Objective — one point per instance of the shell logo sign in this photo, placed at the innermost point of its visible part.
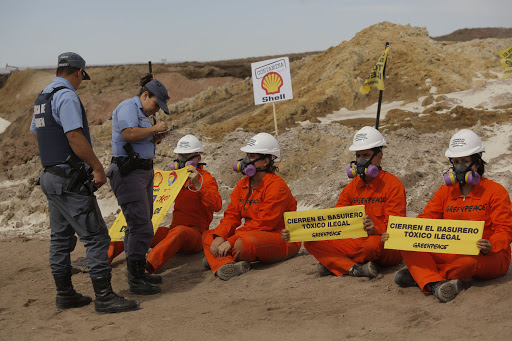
(157, 179)
(272, 83)
(271, 80)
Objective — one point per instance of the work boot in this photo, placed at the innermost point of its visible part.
(107, 301)
(67, 297)
(364, 270)
(205, 264)
(138, 284)
(153, 279)
(445, 291)
(404, 278)
(231, 270)
(323, 271)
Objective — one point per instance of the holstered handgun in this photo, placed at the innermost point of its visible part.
(130, 162)
(79, 175)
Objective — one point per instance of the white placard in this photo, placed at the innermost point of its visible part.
(271, 80)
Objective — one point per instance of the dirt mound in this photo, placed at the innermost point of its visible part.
(331, 80)
(467, 34)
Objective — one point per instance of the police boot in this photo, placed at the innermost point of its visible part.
(138, 283)
(67, 297)
(153, 279)
(107, 301)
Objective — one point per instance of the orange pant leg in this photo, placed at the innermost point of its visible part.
(114, 250)
(178, 239)
(479, 266)
(332, 253)
(424, 268)
(214, 262)
(341, 254)
(266, 247)
(160, 235)
(432, 267)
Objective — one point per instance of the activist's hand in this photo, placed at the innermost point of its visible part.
(194, 177)
(224, 249)
(484, 245)
(285, 234)
(384, 237)
(214, 248)
(369, 227)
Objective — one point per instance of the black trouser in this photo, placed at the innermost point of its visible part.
(134, 193)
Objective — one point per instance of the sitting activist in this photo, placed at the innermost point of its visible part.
(439, 273)
(260, 199)
(382, 194)
(193, 210)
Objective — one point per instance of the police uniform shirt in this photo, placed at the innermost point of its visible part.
(129, 114)
(64, 101)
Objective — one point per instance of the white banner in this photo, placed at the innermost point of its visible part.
(271, 80)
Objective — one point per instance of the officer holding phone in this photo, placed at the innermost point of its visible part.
(134, 137)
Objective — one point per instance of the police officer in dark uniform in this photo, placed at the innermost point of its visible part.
(71, 172)
(134, 136)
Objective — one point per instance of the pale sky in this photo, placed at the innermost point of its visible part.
(35, 32)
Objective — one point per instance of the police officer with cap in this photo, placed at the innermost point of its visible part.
(71, 172)
(134, 136)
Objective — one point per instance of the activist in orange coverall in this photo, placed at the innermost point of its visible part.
(260, 199)
(467, 195)
(382, 194)
(193, 210)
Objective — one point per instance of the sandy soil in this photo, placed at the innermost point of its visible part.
(286, 301)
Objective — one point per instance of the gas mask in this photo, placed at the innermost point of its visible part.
(362, 168)
(246, 166)
(182, 162)
(462, 175)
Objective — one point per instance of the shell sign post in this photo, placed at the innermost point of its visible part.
(272, 82)
(166, 186)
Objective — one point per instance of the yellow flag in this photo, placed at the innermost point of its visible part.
(506, 61)
(376, 77)
(166, 186)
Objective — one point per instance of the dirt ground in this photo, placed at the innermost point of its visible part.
(285, 301)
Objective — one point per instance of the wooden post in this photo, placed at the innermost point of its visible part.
(275, 117)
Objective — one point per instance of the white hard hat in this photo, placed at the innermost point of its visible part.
(189, 144)
(367, 138)
(464, 143)
(262, 143)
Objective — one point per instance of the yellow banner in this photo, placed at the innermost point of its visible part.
(166, 186)
(325, 224)
(506, 53)
(376, 77)
(434, 235)
(506, 61)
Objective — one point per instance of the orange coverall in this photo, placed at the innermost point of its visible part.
(488, 201)
(192, 215)
(382, 197)
(262, 212)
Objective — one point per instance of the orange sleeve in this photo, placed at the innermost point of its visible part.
(209, 193)
(232, 215)
(435, 206)
(396, 205)
(276, 201)
(345, 197)
(501, 217)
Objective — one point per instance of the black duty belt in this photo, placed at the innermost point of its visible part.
(59, 171)
(146, 164)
